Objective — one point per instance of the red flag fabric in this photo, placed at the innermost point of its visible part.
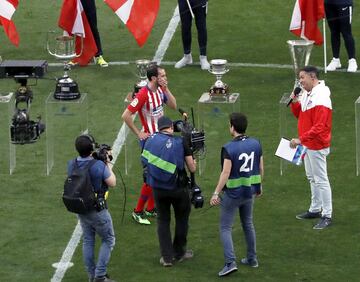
(138, 16)
(305, 17)
(7, 9)
(74, 21)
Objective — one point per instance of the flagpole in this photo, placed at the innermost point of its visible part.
(324, 32)
(191, 11)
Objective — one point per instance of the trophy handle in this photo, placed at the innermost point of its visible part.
(48, 44)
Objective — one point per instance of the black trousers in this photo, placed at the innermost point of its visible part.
(90, 12)
(180, 201)
(199, 9)
(339, 21)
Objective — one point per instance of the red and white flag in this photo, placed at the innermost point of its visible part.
(305, 17)
(74, 21)
(138, 15)
(7, 9)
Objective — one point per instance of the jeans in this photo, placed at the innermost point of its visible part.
(228, 208)
(97, 223)
(316, 172)
(180, 201)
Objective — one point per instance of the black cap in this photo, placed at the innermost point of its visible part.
(164, 122)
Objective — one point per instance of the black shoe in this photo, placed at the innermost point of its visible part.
(309, 215)
(250, 262)
(323, 223)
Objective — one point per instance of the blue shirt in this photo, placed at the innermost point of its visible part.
(98, 172)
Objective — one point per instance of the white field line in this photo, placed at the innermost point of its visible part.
(235, 64)
(66, 257)
(158, 59)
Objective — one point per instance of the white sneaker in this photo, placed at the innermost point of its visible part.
(334, 64)
(186, 60)
(352, 67)
(204, 63)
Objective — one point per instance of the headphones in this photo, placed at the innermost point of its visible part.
(92, 141)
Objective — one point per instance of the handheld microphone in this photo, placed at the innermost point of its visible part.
(297, 90)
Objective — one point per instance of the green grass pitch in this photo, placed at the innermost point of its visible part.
(35, 227)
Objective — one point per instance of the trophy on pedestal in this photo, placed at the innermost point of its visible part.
(64, 49)
(219, 90)
(300, 51)
(141, 66)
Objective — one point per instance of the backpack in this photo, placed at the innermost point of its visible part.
(79, 196)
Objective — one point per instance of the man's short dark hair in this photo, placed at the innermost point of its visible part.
(311, 70)
(239, 122)
(84, 146)
(153, 70)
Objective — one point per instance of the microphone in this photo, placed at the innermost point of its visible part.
(297, 90)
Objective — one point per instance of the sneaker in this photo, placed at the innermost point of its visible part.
(151, 213)
(189, 254)
(352, 67)
(250, 262)
(204, 63)
(164, 263)
(101, 62)
(140, 218)
(309, 215)
(72, 63)
(105, 278)
(334, 64)
(228, 268)
(186, 60)
(323, 223)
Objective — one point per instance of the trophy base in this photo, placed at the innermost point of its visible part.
(66, 89)
(219, 93)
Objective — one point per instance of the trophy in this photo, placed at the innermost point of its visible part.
(219, 89)
(300, 51)
(141, 66)
(64, 49)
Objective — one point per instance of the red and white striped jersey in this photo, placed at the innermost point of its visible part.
(150, 107)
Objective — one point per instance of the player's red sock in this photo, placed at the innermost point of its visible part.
(151, 202)
(143, 198)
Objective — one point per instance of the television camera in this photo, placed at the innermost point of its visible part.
(102, 153)
(196, 141)
(22, 129)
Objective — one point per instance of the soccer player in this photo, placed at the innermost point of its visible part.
(149, 104)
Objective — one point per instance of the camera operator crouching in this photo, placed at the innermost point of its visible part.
(164, 156)
(98, 219)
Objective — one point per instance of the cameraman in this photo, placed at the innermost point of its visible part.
(164, 156)
(99, 220)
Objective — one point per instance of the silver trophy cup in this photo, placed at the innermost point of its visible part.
(218, 67)
(141, 66)
(63, 48)
(300, 51)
